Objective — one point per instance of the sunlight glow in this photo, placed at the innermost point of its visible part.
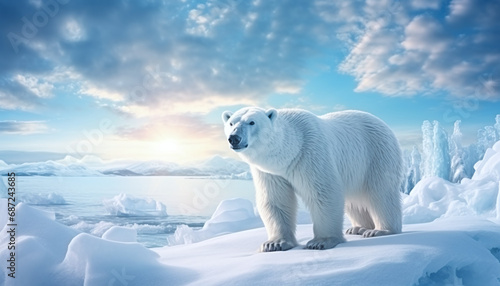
(167, 147)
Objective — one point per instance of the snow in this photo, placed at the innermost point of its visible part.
(447, 251)
(127, 205)
(434, 197)
(406, 259)
(490, 165)
(90, 260)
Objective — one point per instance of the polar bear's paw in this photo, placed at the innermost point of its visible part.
(279, 244)
(367, 232)
(356, 230)
(324, 243)
(376, 232)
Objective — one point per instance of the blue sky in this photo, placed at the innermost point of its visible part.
(149, 79)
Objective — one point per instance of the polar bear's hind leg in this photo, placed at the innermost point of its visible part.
(361, 220)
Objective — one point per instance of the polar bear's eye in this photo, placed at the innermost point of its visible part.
(231, 124)
(251, 123)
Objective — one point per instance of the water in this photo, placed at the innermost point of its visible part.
(188, 201)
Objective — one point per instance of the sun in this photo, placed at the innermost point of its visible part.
(167, 147)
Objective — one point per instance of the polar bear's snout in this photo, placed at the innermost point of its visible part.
(234, 140)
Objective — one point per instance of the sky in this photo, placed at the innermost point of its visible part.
(148, 80)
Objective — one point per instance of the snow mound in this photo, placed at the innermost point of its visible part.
(434, 197)
(43, 199)
(460, 251)
(127, 205)
(94, 261)
(54, 254)
(40, 244)
(231, 215)
(489, 167)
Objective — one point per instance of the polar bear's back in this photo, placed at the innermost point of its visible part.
(376, 149)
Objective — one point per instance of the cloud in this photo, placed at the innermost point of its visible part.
(416, 50)
(157, 57)
(22, 127)
(152, 54)
(23, 92)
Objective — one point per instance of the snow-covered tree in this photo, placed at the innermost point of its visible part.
(436, 155)
(457, 154)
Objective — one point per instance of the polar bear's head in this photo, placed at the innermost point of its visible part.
(248, 127)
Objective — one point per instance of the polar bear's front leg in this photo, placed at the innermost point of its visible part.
(277, 205)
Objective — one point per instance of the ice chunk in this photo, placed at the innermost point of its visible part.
(43, 199)
(127, 205)
(97, 229)
(231, 215)
(121, 234)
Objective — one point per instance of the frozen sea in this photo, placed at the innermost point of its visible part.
(95, 204)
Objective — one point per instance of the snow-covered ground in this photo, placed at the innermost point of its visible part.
(451, 237)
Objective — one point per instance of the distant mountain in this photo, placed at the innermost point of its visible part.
(51, 168)
(94, 166)
(218, 165)
(19, 157)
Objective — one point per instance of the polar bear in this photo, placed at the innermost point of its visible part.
(342, 160)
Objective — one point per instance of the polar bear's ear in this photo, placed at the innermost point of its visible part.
(226, 115)
(272, 114)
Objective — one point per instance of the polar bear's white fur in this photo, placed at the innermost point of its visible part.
(343, 160)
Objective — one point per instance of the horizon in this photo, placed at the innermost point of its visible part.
(149, 81)
(20, 157)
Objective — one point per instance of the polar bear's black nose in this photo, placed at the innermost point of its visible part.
(234, 140)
